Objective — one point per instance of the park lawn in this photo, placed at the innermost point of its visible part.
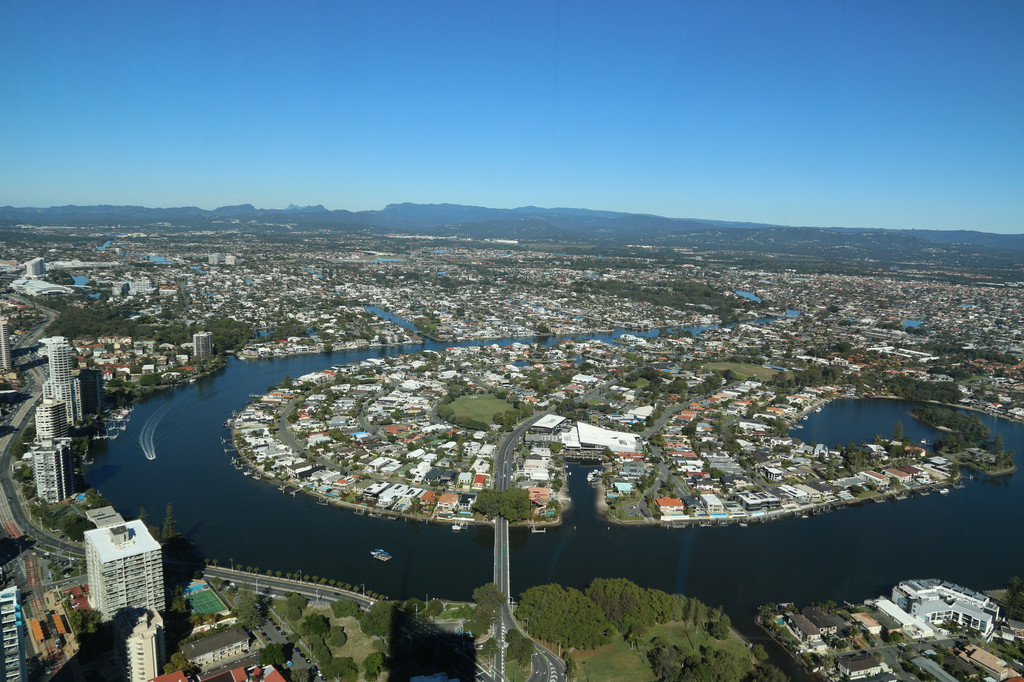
(681, 634)
(617, 661)
(742, 369)
(463, 611)
(481, 407)
(358, 646)
(613, 662)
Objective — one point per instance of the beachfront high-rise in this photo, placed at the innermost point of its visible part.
(139, 644)
(6, 360)
(52, 420)
(53, 469)
(60, 384)
(125, 568)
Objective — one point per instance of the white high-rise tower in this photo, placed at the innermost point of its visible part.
(125, 567)
(6, 361)
(60, 385)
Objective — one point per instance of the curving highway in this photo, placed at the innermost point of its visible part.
(12, 511)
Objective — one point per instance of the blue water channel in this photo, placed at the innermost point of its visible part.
(851, 554)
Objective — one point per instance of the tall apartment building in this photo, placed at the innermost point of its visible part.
(202, 345)
(6, 360)
(53, 469)
(35, 268)
(141, 287)
(125, 568)
(139, 638)
(52, 420)
(230, 260)
(213, 258)
(60, 384)
(12, 649)
(91, 384)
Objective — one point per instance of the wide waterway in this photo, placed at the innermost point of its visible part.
(966, 536)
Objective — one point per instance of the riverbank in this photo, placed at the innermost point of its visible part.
(774, 516)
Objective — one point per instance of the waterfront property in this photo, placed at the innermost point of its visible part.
(125, 567)
(940, 602)
(927, 613)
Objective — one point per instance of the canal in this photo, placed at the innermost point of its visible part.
(850, 554)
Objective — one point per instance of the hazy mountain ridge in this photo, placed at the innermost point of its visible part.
(531, 223)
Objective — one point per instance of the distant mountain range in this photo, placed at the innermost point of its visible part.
(530, 223)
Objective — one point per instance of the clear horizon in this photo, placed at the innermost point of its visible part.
(902, 115)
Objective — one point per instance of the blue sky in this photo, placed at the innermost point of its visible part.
(876, 113)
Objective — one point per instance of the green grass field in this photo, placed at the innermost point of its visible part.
(481, 407)
(617, 661)
(206, 601)
(742, 369)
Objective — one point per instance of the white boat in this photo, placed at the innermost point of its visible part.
(458, 526)
(943, 491)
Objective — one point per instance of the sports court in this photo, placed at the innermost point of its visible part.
(204, 600)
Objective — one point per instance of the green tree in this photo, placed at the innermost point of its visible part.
(168, 530)
(570, 666)
(316, 624)
(1015, 598)
(520, 648)
(566, 615)
(377, 621)
(297, 600)
(248, 608)
(273, 654)
(342, 608)
(337, 637)
(373, 665)
(344, 668)
(178, 662)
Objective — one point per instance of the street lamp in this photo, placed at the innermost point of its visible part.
(362, 587)
(232, 563)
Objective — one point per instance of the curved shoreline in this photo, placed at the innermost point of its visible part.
(287, 486)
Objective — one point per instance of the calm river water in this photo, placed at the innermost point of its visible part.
(851, 554)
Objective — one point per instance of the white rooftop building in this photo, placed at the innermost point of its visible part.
(937, 602)
(125, 568)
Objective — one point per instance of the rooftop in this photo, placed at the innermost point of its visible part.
(121, 541)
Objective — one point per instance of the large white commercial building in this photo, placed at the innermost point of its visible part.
(53, 469)
(140, 652)
(12, 623)
(590, 437)
(125, 568)
(60, 384)
(938, 602)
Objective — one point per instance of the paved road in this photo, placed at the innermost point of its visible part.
(12, 509)
(264, 584)
(547, 667)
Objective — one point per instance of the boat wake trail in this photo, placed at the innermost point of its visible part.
(147, 436)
